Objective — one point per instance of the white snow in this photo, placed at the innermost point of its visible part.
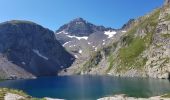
(103, 43)
(103, 40)
(23, 63)
(80, 51)
(123, 31)
(62, 32)
(79, 38)
(66, 43)
(75, 56)
(74, 45)
(39, 54)
(95, 49)
(89, 43)
(93, 46)
(109, 73)
(70, 46)
(110, 33)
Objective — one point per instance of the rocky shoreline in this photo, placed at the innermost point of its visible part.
(124, 97)
(11, 96)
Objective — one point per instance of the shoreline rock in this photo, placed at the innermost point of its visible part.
(124, 97)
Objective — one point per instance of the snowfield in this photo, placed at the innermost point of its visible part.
(79, 38)
(110, 34)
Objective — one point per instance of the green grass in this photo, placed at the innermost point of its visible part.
(167, 18)
(166, 35)
(93, 61)
(132, 46)
(129, 54)
(110, 48)
(166, 95)
(110, 61)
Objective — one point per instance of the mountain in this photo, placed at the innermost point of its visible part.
(142, 51)
(29, 50)
(82, 38)
(80, 27)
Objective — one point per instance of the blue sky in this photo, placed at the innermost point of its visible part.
(54, 13)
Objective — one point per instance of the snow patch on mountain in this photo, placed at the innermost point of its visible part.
(62, 32)
(23, 63)
(75, 56)
(39, 54)
(95, 49)
(80, 51)
(79, 38)
(123, 31)
(110, 34)
(66, 43)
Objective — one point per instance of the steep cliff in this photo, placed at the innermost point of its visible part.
(27, 50)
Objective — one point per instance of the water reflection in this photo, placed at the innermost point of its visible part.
(89, 87)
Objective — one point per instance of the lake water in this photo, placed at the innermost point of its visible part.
(89, 87)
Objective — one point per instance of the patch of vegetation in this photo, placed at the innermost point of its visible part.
(110, 48)
(166, 95)
(166, 35)
(165, 60)
(167, 17)
(152, 20)
(158, 45)
(127, 39)
(128, 54)
(110, 61)
(94, 60)
(4, 91)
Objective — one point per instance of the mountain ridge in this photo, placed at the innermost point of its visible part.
(32, 48)
(81, 27)
(142, 51)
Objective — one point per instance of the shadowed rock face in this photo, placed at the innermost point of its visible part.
(167, 2)
(33, 48)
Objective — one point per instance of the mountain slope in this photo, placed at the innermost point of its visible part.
(30, 48)
(82, 39)
(143, 51)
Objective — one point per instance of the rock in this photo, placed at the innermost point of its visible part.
(167, 2)
(52, 98)
(124, 97)
(142, 52)
(164, 76)
(11, 96)
(128, 25)
(28, 42)
(80, 27)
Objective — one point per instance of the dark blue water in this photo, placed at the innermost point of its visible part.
(89, 87)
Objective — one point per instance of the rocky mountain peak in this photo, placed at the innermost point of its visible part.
(79, 19)
(167, 2)
(128, 24)
(81, 27)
